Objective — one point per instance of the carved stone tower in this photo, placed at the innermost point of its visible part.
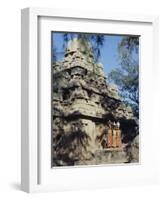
(88, 115)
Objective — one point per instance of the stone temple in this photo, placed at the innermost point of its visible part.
(90, 123)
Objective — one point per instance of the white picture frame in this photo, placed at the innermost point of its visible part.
(36, 173)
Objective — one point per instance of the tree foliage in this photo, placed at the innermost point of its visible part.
(127, 75)
(96, 40)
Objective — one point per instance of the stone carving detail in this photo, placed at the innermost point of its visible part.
(88, 115)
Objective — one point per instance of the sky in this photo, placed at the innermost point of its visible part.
(109, 54)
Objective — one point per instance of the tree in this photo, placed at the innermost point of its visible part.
(127, 75)
(96, 41)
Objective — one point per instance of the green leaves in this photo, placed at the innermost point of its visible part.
(96, 41)
(127, 75)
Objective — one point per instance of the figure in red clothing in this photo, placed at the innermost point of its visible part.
(114, 135)
(110, 137)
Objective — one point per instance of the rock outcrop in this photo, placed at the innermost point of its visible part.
(133, 150)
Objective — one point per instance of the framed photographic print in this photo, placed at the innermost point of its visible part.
(87, 119)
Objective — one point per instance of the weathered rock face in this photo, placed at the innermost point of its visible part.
(133, 150)
(90, 121)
